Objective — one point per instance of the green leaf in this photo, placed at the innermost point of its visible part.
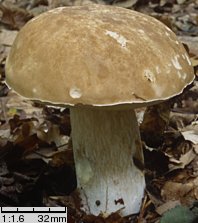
(178, 214)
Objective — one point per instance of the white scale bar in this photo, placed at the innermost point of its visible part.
(9, 209)
(33, 214)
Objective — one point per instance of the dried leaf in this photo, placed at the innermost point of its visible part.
(184, 160)
(194, 61)
(14, 16)
(62, 158)
(196, 149)
(181, 1)
(125, 4)
(167, 206)
(155, 118)
(184, 192)
(7, 37)
(191, 135)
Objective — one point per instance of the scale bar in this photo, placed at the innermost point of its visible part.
(33, 210)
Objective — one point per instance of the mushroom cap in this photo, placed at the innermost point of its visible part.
(97, 55)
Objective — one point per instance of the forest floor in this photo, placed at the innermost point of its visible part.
(36, 159)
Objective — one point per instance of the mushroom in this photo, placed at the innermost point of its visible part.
(102, 62)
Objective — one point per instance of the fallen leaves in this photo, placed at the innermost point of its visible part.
(167, 206)
(180, 16)
(180, 191)
(37, 166)
(183, 161)
(191, 42)
(125, 4)
(172, 167)
(191, 135)
(13, 16)
(7, 37)
(155, 117)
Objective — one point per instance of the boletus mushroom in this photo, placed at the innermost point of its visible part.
(102, 62)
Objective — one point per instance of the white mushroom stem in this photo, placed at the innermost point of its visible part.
(106, 143)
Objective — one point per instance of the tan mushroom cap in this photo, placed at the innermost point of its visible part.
(97, 55)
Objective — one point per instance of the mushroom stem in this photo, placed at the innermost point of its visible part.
(107, 149)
